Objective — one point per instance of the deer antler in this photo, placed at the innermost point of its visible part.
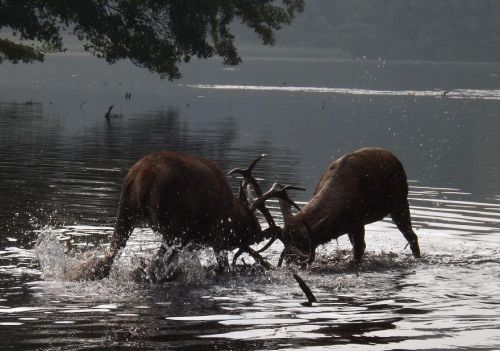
(255, 255)
(277, 191)
(246, 173)
(248, 178)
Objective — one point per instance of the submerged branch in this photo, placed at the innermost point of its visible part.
(310, 296)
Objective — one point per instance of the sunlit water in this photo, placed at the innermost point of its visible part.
(62, 165)
(456, 94)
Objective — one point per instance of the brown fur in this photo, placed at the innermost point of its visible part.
(184, 198)
(359, 188)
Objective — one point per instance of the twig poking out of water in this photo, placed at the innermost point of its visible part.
(310, 296)
(108, 114)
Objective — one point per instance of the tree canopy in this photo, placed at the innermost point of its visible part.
(155, 34)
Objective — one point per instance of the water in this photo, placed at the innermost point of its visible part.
(62, 165)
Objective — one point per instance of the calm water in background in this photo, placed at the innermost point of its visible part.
(61, 167)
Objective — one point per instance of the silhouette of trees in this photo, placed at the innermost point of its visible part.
(155, 34)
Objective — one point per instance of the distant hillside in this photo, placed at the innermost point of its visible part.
(452, 30)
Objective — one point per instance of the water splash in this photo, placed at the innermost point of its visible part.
(181, 265)
(137, 262)
(57, 263)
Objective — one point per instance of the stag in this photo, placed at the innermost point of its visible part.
(359, 188)
(187, 199)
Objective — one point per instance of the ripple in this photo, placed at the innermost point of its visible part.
(263, 321)
(301, 332)
(391, 298)
(11, 323)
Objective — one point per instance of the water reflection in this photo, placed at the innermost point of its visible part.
(392, 299)
(61, 168)
(43, 166)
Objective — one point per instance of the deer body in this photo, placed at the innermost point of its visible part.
(359, 188)
(186, 199)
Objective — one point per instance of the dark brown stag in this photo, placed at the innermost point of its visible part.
(187, 199)
(359, 188)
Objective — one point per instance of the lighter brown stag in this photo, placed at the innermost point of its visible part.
(359, 188)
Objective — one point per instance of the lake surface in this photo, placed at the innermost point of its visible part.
(62, 164)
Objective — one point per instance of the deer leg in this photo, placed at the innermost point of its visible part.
(236, 256)
(222, 260)
(99, 268)
(157, 263)
(162, 270)
(125, 224)
(357, 238)
(401, 217)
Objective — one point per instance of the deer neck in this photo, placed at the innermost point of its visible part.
(323, 218)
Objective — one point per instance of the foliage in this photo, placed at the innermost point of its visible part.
(17, 52)
(155, 34)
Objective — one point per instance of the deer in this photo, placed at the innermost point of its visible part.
(359, 188)
(187, 199)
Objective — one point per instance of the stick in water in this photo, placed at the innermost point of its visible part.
(310, 296)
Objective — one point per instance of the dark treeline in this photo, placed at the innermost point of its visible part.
(399, 29)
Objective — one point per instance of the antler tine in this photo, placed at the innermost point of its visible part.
(254, 162)
(267, 245)
(285, 195)
(246, 173)
(287, 198)
(255, 255)
(258, 258)
(262, 199)
(248, 178)
(279, 191)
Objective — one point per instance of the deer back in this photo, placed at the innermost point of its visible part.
(179, 194)
(359, 188)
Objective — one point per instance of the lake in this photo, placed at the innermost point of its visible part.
(62, 165)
